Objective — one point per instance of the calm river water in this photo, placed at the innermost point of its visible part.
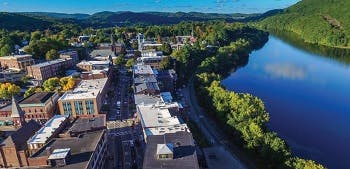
(306, 90)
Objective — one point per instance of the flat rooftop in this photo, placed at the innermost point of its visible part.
(102, 52)
(81, 148)
(143, 70)
(168, 129)
(47, 130)
(185, 156)
(15, 56)
(156, 116)
(37, 98)
(52, 62)
(86, 89)
(94, 62)
(146, 99)
(88, 124)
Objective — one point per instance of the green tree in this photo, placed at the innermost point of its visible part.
(52, 54)
(166, 49)
(5, 50)
(166, 63)
(29, 92)
(130, 63)
(119, 60)
(52, 84)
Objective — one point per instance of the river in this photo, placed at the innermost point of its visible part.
(306, 90)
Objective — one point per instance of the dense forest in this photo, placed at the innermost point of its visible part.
(323, 22)
(105, 19)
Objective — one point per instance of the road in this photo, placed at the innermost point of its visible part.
(207, 126)
(122, 129)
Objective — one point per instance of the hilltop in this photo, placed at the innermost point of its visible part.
(323, 22)
(44, 20)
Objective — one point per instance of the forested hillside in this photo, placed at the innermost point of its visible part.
(12, 21)
(324, 22)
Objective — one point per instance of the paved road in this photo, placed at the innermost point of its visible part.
(207, 126)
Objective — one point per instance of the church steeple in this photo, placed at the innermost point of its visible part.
(16, 113)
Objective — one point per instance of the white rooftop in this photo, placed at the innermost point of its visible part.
(156, 116)
(59, 154)
(47, 130)
(86, 89)
(93, 62)
(143, 70)
(168, 129)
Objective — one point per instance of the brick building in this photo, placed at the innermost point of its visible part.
(70, 54)
(46, 70)
(14, 149)
(39, 106)
(17, 62)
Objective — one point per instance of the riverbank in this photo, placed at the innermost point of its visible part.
(244, 115)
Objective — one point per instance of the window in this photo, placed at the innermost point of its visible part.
(78, 107)
(67, 108)
(89, 106)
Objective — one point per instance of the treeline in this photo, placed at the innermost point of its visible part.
(242, 115)
(323, 22)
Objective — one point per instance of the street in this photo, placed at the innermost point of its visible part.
(126, 146)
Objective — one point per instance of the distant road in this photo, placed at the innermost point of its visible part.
(207, 126)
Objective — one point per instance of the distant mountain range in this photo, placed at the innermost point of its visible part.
(42, 20)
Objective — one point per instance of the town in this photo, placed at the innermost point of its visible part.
(120, 107)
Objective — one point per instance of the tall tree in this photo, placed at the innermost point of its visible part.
(52, 54)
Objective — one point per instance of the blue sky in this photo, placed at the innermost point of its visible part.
(92, 6)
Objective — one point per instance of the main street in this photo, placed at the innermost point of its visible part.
(213, 134)
(123, 129)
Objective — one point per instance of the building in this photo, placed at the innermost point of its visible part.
(94, 65)
(159, 119)
(40, 106)
(171, 150)
(14, 149)
(151, 58)
(167, 80)
(17, 62)
(46, 70)
(50, 130)
(11, 75)
(83, 147)
(70, 54)
(85, 100)
(106, 51)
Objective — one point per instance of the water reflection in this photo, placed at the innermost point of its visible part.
(286, 70)
(306, 95)
(340, 55)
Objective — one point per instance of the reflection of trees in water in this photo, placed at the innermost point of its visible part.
(338, 54)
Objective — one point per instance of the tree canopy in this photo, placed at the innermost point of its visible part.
(7, 90)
